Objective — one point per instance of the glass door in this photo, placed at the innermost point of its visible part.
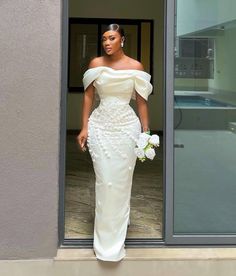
(201, 127)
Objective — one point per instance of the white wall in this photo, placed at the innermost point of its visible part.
(151, 9)
(225, 62)
(195, 15)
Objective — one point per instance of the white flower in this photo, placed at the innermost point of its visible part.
(144, 146)
(142, 143)
(139, 152)
(144, 135)
(150, 153)
(154, 140)
(143, 140)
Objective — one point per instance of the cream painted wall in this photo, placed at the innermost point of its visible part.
(152, 9)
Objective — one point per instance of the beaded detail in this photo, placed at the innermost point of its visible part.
(108, 124)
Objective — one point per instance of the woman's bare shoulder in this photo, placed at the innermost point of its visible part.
(135, 64)
(95, 62)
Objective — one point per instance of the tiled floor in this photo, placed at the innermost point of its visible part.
(146, 196)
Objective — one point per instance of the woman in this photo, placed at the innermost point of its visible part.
(111, 133)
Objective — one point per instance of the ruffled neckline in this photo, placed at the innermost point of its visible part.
(117, 70)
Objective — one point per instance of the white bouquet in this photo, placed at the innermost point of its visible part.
(145, 146)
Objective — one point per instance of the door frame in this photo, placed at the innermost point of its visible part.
(169, 117)
(85, 243)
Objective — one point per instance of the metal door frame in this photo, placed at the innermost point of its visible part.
(62, 241)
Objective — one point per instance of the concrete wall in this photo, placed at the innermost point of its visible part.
(151, 9)
(138, 268)
(30, 111)
(138, 262)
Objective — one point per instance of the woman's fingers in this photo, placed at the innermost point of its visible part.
(83, 145)
(82, 141)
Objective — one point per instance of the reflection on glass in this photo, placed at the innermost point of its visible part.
(205, 118)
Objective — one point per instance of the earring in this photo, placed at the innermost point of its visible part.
(122, 44)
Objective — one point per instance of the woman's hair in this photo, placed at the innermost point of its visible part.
(116, 28)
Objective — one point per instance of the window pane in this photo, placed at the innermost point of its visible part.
(205, 118)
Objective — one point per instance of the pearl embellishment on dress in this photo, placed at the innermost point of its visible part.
(110, 123)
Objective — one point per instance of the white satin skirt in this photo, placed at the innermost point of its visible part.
(113, 130)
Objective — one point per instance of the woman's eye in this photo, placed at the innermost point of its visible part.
(112, 38)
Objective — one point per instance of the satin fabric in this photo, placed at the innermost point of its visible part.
(113, 130)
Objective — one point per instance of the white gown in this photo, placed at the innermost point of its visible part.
(113, 129)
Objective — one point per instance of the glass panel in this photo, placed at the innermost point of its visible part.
(205, 117)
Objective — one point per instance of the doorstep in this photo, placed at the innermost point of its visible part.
(158, 254)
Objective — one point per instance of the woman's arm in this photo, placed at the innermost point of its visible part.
(87, 105)
(86, 109)
(142, 104)
(143, 112)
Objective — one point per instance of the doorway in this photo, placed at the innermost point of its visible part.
(180, 125)
(147, 190)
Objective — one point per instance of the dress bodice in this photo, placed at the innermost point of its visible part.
(121, 85)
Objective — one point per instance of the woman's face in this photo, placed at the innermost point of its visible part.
(111, 42)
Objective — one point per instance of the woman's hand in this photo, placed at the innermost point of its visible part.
(82, 138)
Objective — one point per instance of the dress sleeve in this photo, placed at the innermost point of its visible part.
(142, 85)
(90, 75)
